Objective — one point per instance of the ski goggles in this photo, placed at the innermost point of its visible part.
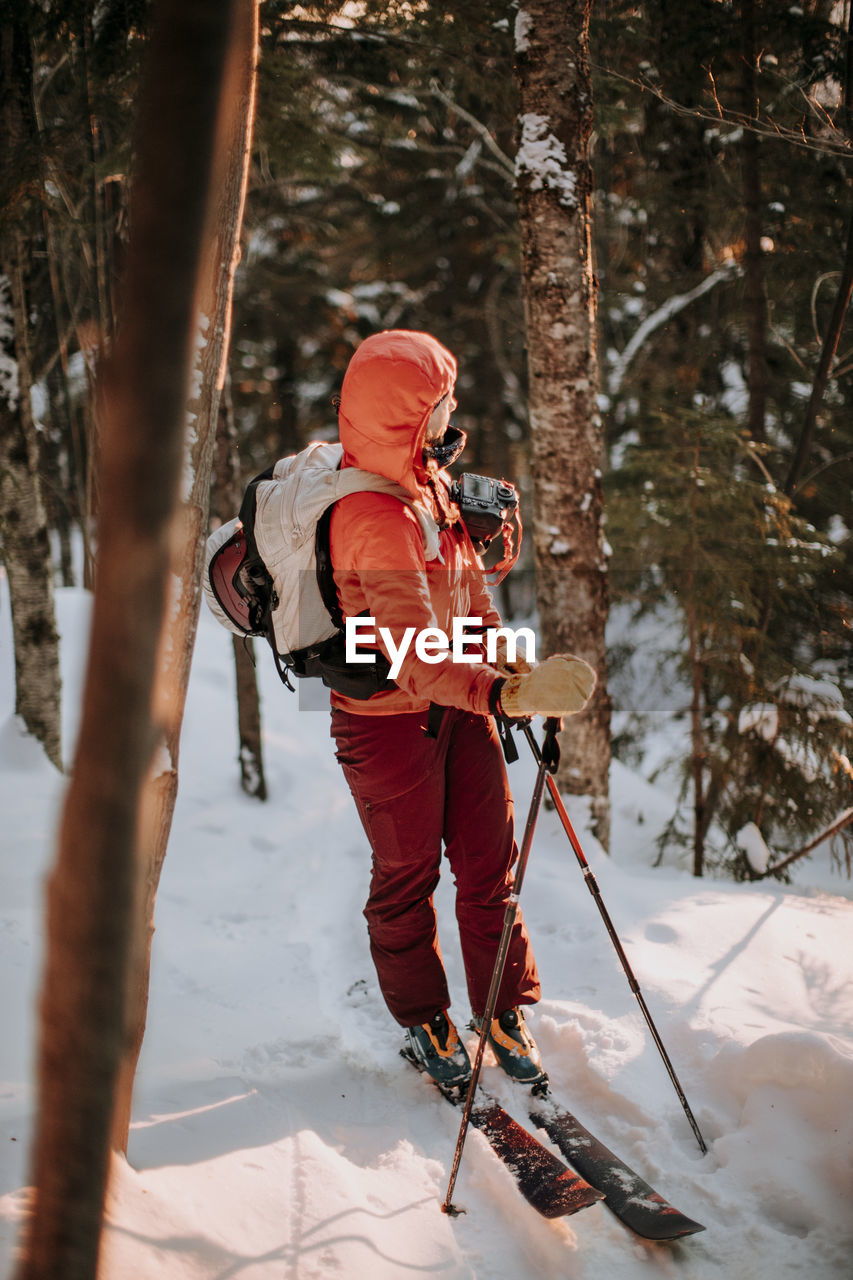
(446, 450)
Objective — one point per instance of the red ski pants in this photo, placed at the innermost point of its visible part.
(412, 793)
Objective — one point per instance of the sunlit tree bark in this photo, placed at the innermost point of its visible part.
(554, 186)
(213, 323)
(92, 891)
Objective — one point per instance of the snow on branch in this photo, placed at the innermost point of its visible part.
(660, 317)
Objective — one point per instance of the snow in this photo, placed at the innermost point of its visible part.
(735, 398)
(277, 1133)
(760, 718)
(9, 388)
(837, 531)
(751, 842)
(523, 30)
(821, 697)
(542, 155)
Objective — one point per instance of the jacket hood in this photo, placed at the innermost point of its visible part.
(391, 386)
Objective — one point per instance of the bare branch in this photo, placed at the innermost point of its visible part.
(827, 275)
(842, 821)
(838, 146)
(842, 457)
(824, 367)
(755, 454)
(507, 165)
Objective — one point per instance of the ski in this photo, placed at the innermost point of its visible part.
(626, 1194)
(543, 1179)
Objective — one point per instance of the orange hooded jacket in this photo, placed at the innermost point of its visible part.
(392, 384)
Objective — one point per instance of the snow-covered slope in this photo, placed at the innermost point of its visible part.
(278, 1134)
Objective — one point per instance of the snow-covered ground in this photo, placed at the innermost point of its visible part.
(277, 1134)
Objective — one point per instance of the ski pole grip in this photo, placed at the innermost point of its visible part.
(551, 745)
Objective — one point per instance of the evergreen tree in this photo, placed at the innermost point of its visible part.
(384, 198)
(724, 206)
(693, 526)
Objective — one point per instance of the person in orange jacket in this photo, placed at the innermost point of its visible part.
(416, 786)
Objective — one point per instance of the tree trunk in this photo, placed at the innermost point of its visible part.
(824, 367)
(62, 409)
(59, 484)
(227, 495)
(23, 528)
(92, 891)
(252, 777)
(839, 310)
(753, 262)
(212, 337)
(554, 189)
(23, 523)
(698, 754)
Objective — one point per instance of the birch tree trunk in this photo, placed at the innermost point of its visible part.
(23, 522)
(231, 170)
(92, 890)
(554, 189)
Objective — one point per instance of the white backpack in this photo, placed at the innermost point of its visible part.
(262, 576)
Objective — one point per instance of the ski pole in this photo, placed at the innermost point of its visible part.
(548, 759)
(592, 885)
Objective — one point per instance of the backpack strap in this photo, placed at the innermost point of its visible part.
(254, 567)
(248, 509)
(325, 575)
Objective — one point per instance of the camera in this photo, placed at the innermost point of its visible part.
(485, 505)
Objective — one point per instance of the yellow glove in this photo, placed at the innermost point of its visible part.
(509, 668)
(559, 686)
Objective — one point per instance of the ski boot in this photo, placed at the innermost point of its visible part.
(515, 1048)
(436, 1049)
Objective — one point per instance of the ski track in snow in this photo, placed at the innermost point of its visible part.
(277, 1134)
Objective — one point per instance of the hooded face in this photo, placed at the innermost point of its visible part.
(439, 419)
(392, 386)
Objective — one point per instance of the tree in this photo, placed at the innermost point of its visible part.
(753, 259)
(212, 336)
(92, 890)
(554, 189)
(723, 197)
(383, 198)
(704, 532)
(829, 347)
(227, 496)
(23, 523)
(85, 57)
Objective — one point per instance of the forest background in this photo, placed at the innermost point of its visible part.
(381, 195)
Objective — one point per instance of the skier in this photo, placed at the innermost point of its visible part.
(423, 759)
